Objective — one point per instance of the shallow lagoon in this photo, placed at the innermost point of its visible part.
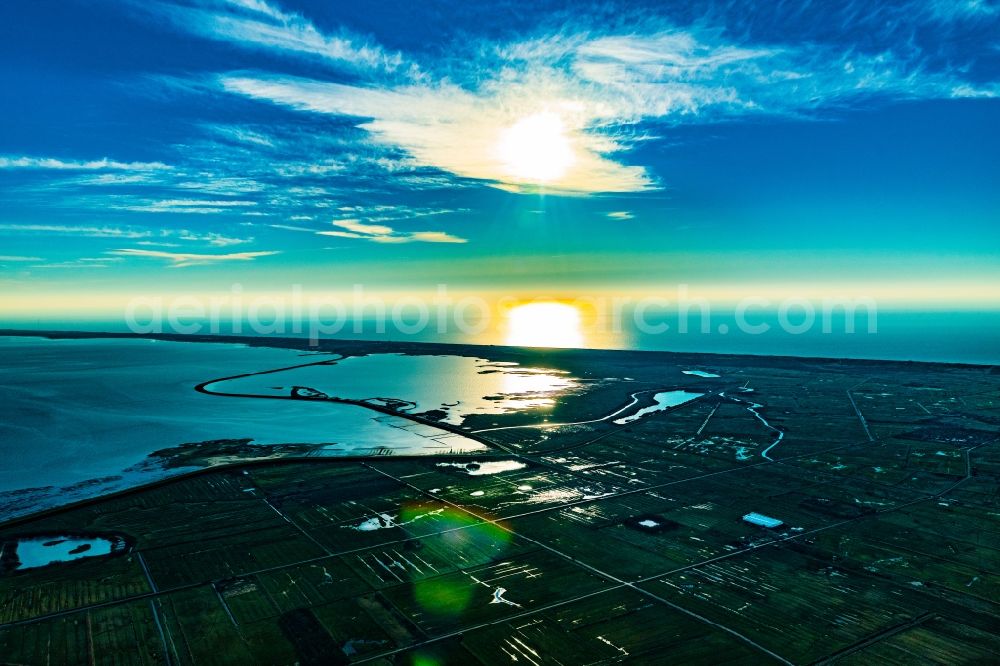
(72, 411)
(33, 552)
(664, 400)
(458, 385)
(699, 373)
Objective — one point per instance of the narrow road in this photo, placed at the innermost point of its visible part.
(861, 417)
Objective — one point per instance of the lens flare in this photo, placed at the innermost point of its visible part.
(458, 533)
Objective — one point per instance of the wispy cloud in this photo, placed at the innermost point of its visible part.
(263, 25)
(242, 135)
(184, 259)
(104, 164)
(212, 238)
(620, 215)
(16, 258)
(157, 243)
(444, 117)
(83, 262)
(358, 227)
(380, 233)
(191, 206)
(187, 203)
(599, 87)
(435, 237)
(389, 213)
(958, 10)
(290, 227)
(116, 178)
(164, 237)
(69, 230)
(452, 129)
(213, 184)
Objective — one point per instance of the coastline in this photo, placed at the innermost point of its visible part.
(573, 359)
(355, 347)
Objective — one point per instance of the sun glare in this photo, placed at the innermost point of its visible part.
(544, 325)
(536, 148)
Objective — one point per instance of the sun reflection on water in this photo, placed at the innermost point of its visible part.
(532, 387)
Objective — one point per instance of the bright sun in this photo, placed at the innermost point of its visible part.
(544, 325)
(536, 148)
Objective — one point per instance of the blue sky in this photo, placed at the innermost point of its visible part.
(170, 145)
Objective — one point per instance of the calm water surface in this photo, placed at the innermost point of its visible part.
(458, 385)
(72, 411)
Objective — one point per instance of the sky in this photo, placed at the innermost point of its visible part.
(184, 146)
